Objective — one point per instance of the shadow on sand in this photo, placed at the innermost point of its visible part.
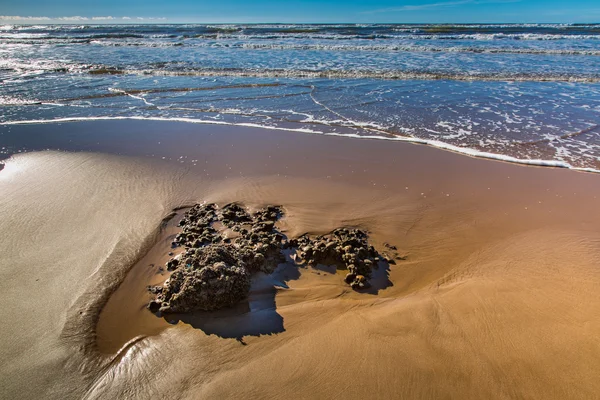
(258, 314)
(255, 316)
(380, 278)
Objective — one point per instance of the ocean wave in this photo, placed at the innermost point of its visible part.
(52, 27)
(434, 143)
(43, 36)
(301, 34)
(325, 28)
(435, 49)
(350, 74)
(18, 36)
(182, 69)
(411, 36)
(16, 101)
(318, 47)
(502, 35)
(409, 48)
(46, 41)
(326, 47)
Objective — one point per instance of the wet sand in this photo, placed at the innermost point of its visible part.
(496, 297)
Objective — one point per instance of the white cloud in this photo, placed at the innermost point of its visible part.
(19, 18)
(75, 18)
(151, 18)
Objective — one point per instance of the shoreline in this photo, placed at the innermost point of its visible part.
(464, 151)
(493, 251)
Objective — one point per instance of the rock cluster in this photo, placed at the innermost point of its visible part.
(210, 286)
(224, 247)
(344, 248)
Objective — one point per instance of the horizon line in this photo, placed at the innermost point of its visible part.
(91, 22)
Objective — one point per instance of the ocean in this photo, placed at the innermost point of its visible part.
(527, 93)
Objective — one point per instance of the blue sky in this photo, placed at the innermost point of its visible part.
(222, 11)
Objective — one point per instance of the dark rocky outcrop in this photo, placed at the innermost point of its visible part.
(346, 249)
(215, 285)
(224, 247)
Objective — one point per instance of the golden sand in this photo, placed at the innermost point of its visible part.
(496, 297)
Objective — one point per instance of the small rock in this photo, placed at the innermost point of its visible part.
(154, 306)
(360, 282)
(172, 264)
(349, 278)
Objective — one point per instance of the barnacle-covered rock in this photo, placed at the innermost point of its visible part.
(215, 267)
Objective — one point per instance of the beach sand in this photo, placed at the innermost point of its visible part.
(496, 296)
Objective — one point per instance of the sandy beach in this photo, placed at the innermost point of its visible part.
(494, 297)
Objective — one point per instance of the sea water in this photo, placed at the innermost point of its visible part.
(524, 93)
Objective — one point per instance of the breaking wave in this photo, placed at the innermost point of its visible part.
(349, 74)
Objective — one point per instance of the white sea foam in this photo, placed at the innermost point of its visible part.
(133, 96)
(434, 143)
(224, 43)
(312, 34)
(15, 101)
(361, 74)
(53, 66)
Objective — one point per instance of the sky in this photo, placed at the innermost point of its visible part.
(299, 11)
